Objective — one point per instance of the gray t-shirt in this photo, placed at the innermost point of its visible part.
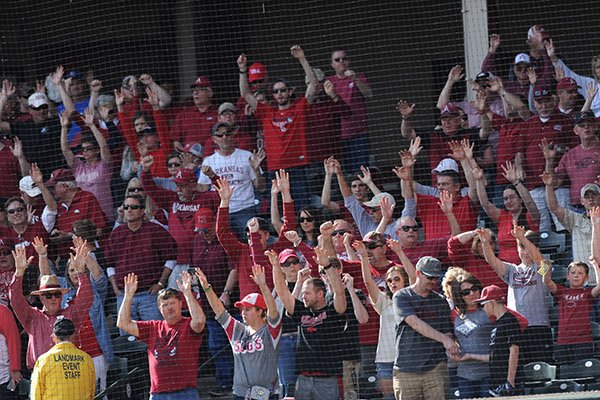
(473, 331)
(527, 293)
(417, 353)
(255, 355)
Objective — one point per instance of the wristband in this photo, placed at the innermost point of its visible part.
(227, 292)
(207, 289)
(160, 284)
(244, 72)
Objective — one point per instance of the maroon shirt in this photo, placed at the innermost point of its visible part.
(26, 238)
(143, 252)
(323, 128)
(10, 172)
(193, 126)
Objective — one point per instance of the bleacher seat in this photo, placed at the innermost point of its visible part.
(583, 371)
(558, 387)
(538, 373)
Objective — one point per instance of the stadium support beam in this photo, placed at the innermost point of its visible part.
(475, 29)
(186, 47)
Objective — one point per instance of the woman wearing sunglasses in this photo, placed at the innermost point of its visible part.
(153, 212)
(472, 329)
(396, 278)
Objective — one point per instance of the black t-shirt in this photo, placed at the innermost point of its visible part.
(417, 353)
(320, 337)
(41, 144)
(506, 333)
(350, 351)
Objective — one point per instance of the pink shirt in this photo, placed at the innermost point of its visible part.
(356, 124)
(580, 166)
(96, 180)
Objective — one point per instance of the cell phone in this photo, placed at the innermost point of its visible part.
(12, 386)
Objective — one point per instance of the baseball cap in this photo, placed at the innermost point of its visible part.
(540, 92)
(27, 185)
(492, 292)
(531, 32)
(590, 187)
(567, 83)
(376, 200)
(256, 71)
(37, 99)
(585, 116)
(218, 125)
(450, 110)
(63, 327)
(227, 107)
(7, 243)
(73, 74)
(184, 175)
(447, 164)
(201, 82)
(374, 237)
(204, 219)
(193, 148)
(60, 175)
(285, 254)
(483, 76)
(252, 300)
(522, 58)
(430, 266)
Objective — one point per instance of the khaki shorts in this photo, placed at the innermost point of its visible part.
(428, 385)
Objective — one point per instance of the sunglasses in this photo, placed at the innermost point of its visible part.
(173, 165)
(294, 261)
(431, 278)
(15, 210)
(394, 279)
(373, 245)
(340, 232)
(372, 210)
(88, 148)
(56, 295)
(136, 189)
(306, 219)
(280, 90)
(5, 253)
(407, 228)
(338, 59)
(132, 206)
(222, 135)
(40, 108)
(472, 289)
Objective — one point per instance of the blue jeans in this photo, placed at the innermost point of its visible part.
(286, 364)
(217, 339)
(238, 220)
(469, 389)
(184, 394)
(355, 153)
(143, 307)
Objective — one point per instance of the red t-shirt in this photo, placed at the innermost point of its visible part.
(323, 128)
(172, 354)
(193, 126)
(10, 172)
(506, 128)
(507, 244)
(574, 305)
(26, 239)
(285, 134)
(558, 130)
(435, 222)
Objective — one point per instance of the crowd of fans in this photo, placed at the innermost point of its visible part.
(125, 210)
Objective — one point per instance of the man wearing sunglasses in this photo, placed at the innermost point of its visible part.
(245, 135)
(424, 324)
(284, 124)
(39, 323)
(354, 89)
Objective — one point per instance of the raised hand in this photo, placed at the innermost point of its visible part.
(36, 174)
(40, 87)
(477, 173)
(407, 158)
(547, 149)
(387, 209)
(152, 98)
(494, 42)
(329, 89)
(395, 246)
(404, 108)
(510, 172)
(119, 97)
(348, 239)
(207, 170)
(242, 62)
(320, 257)
(328, 166)
(258, 275)
(458, 152)
(274, 187)
(253, 225)
(283, 180)
(559, 73)
(456, 74)
(366, 175)
(484, 235)
(223, 189)
(184, 283)
(96, 86)
(273, 257)
(348, 281)
(257, 158)
(57, 75)
(88, 116)
(547, 178)
(595, 216)
(8, 89)
(467, 148)
(65, 119)
(350, 74)
(360, 249)
(81, 253)
(326, 228)
(415, 146)
(297, 52)
(201, 278)
(445, 202)
(592, 89)
(402, 173)
(21, 261)
(130, 284)
(480, 101)
(550, 50)
(17, 148)
(531, 74)
(518, 232)
(293, 237)
(147, 162)
(496, 84)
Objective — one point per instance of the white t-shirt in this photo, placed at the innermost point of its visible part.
(236, 169)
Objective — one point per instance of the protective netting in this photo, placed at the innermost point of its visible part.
(178, 62)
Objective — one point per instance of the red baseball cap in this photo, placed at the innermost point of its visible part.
(194, 148)
(492, 292)
(60, 175)
(185, 175)
(257, 71)
(202, 82)
(252, 300)
(204, 218)
(286, 254)
(567, 84)
(450, 110)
